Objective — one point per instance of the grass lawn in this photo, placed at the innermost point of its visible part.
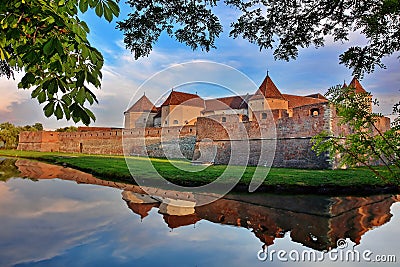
(115, 168)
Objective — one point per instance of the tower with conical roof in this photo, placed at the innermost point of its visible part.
(140, 114)
(267, 97)
(359, 89)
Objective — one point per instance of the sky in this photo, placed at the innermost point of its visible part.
(315, 70)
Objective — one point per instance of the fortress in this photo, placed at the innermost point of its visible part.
(236, 130)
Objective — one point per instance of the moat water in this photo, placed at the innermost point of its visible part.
(55, 216)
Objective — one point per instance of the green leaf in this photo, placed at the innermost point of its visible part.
(80, 78)
(81, 96)
(99, 10)
(84, 26)
(114, 7)
(83, 5)
(90, 113)
(49, 109)
(91, 79)
(108, 15)
(79, 113)
(49, 47)
(93, 3)
(36, 92)
(58, 112)
(89, 98)
(66, 99)
(42, 97)
(27, 80)
(58, 46)
(92, 94)
(53, 86)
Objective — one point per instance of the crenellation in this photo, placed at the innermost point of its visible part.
(236, 130)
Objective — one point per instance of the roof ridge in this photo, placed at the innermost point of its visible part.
(357, 86)
(269, 89)
(142, 104)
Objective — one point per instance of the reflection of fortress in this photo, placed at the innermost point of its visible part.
(211, 130)
(314, 221)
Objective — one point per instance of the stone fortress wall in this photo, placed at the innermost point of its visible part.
(241, 132)
(293, 140)
(138, 142)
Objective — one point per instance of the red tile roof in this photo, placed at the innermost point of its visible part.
(298, 101)
(142, 105)
(180, 98)
(232, 102)
(317, 95)
(268, 89)
(357, 85)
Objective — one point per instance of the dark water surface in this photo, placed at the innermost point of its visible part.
(63, 217)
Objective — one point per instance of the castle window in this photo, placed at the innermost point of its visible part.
(175, 121)
(314, 112)
(223, 119)
(190, 130)
(263, 116)
(166, 122)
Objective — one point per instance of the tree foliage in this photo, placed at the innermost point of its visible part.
(8, 169)
(282, 25)
(9, 133)
(48, 41)
(67, 129)
(365, 143)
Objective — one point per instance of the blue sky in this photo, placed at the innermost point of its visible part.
(315, 70)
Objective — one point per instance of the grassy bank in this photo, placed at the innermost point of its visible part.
(115, 168)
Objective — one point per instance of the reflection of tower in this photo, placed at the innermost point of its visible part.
(177, 213)
(140, 204)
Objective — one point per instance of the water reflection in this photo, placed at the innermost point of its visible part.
(66, 219)
(342, 217)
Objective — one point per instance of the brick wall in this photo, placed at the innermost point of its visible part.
(211, 140)
(179, 141)
(243, 142)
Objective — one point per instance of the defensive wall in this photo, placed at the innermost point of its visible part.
(152, 141)
(291, 140)
(212, 139)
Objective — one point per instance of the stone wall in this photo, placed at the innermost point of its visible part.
(244, 143)
(39, 141)
(285, 141)
(179, 141)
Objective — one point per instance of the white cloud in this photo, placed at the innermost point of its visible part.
(10, 94)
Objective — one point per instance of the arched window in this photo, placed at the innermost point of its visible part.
(314, 112)
(223, 119)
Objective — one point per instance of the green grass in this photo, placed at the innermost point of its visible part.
(115, 168)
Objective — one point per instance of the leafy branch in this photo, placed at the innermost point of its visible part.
(358, 138)
(48, 41)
